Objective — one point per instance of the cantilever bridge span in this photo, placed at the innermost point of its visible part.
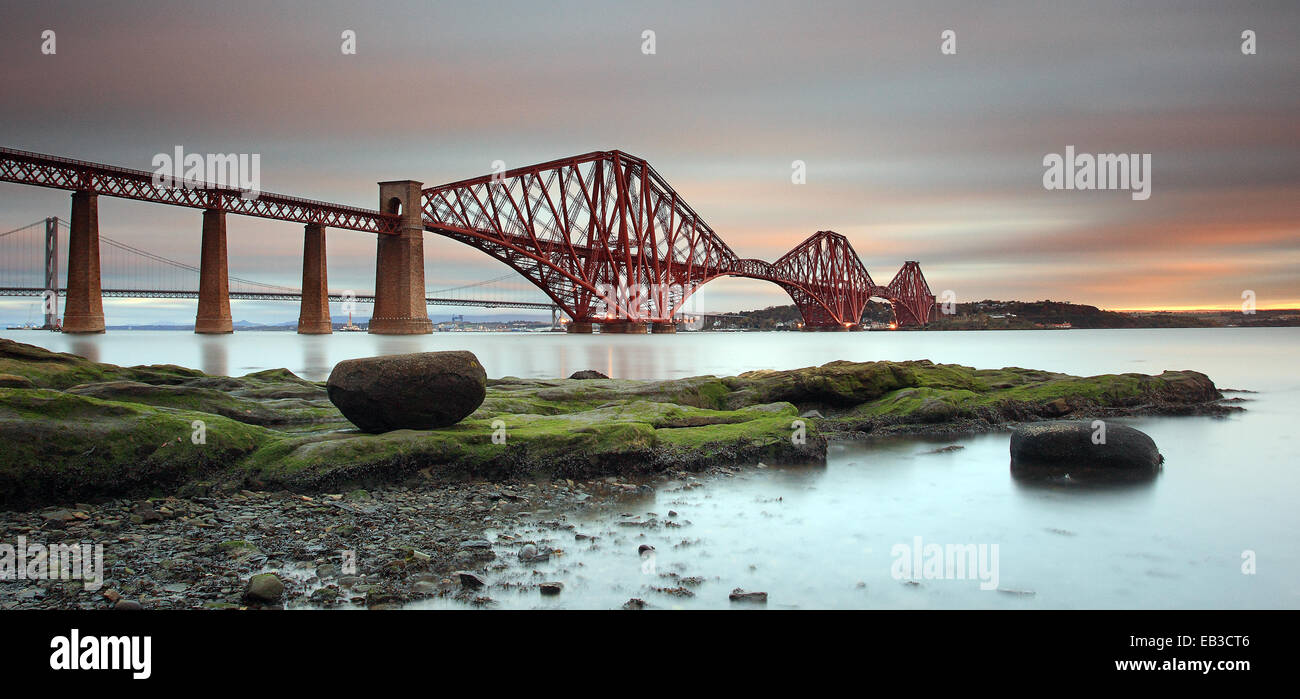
(602, 234)
(610, 241)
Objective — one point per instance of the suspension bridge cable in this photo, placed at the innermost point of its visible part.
(176, 264)
(16, 230)
(182, 265)
(476, 284)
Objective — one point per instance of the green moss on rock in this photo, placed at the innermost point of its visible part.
(61, 446)
(118, 430)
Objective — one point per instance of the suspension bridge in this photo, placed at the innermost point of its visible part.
(601, 236)
(29, 263)
(29, 267)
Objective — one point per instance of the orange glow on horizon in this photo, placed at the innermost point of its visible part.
(1287, 306)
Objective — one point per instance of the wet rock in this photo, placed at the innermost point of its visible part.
(408, 391)
(1083, 452)
(551, 588)
(57, 516)
(643, 548)
(127, 605)
(146, 513)
(381, 599)
(264, 587)
(325, 595)
(531, 554)
(469, 580)
(1056, 407)
(634, 604)
(739, 595)
(587, 374)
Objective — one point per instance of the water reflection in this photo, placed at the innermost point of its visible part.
(399, 344)
(214, 354)
(315, 356)
(84, 347)
(1031, 484)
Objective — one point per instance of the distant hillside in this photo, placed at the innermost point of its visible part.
(1026, 315)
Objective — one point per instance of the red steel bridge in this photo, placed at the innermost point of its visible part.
(601, 234)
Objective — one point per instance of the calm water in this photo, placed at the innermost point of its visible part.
(817, 537)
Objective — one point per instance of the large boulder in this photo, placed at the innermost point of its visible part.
(587, 374)
(408, 391)
(1084, 452)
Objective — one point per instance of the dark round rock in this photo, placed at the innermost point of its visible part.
(1075, 448)
(587, 374)
(264, 587)
(408, 391)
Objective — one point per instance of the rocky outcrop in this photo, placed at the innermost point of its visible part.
(418, 391)
(163, 429)
(1084, 451)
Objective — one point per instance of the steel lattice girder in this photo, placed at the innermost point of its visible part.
(78, 175)
(831, 287)
(605, 237)
(602, 234)
(910, 296)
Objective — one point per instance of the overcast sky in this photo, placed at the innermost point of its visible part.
(910, 153)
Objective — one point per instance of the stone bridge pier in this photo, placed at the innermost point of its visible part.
(84, 309)
(213, 316)
(314, 311)
(400, 307)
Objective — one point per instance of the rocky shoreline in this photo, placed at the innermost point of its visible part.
(376, 549)
(76, 430)
(196, 485)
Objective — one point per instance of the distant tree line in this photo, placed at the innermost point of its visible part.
(991, 314)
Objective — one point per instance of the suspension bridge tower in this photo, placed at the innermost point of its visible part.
(50, 297)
